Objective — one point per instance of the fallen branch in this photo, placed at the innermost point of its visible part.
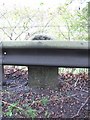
(77, 114)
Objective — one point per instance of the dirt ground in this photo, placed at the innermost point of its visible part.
(70, 101)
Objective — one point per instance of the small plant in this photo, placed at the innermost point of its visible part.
(47, 114)
(29, 113)
(32, 113)
(11, 107)
(44, 101)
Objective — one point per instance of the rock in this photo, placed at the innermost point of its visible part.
(41, 37)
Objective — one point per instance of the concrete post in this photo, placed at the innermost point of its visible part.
(42, 77)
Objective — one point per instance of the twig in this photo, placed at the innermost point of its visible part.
(12, 105)
(75, 84)
(77, 114)
(6, 33)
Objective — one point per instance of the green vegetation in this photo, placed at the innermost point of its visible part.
(31, 113)
(62, 23)
(26, 110)
(11, 107)
(44, 101)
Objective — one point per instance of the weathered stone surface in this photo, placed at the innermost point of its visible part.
(43, 77)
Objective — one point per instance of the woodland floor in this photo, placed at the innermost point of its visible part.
(71, 101)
